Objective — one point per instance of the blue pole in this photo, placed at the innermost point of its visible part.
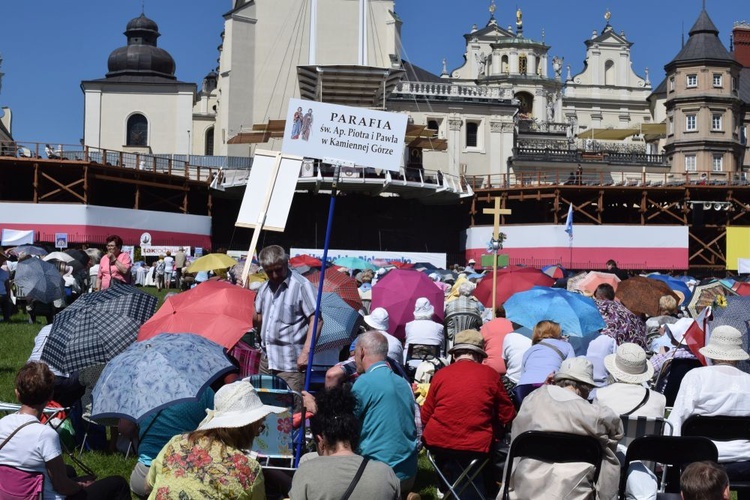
(313, 341)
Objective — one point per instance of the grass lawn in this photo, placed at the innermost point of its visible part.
(16, 342)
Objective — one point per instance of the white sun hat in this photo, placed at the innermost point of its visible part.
(725, 344)
(629, 364)
(378, 319)
(236, 405)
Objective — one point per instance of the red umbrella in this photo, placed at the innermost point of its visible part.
(305, 260)
(397, 292)
(339, 283)
(216, 310)
(742, 288)
(510, 280)
(400, 265)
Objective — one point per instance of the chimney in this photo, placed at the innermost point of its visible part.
(741, 38)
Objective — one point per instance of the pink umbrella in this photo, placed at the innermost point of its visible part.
(595, 278)
(397, 292)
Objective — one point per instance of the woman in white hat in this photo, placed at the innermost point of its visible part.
(423, 330)
(626, 394)
(212, 462)
(719, 389)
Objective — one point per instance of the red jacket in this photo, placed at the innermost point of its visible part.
(466, 407)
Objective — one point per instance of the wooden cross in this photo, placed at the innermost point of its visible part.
(496, 212)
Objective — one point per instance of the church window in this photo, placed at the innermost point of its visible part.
(671, 126)
(523, 65)
(690, 163)
(609, 73)
(137, 131)
(504, 66)
(472, 134)
(716, 121)
(433, 125)
(692, 81)
(691, 124)
(717, 163)
(209, 142)
(718, 80)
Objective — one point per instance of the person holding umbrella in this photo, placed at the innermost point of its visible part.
(115, 265)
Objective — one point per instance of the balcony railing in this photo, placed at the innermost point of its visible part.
(436, 90)
(579, 156)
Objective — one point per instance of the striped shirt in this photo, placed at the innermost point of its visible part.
(285, 311)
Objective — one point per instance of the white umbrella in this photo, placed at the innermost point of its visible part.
(61, 256)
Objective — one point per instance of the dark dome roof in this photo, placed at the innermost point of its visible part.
(141, 56)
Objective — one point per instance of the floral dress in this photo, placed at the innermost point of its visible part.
(205, 469)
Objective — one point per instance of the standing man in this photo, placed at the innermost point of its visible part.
(179, 263)
(284, 316)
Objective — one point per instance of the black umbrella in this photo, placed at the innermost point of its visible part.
(39, 280)
(97, 327)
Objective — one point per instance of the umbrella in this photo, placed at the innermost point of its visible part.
(216, 310)
(339, 283)
(28, 250)
(211, 262)
(595, 278)
(706, 294)
(622, 325)
(736, 314)
(555, 271)
(741, 288)
(641, 295)
(97, 327)
(576, 314)
(397, 292)
(400, 265)
(160, 372)
(424, 266)
(510, 280)
(39, 280)
(354, 263)
(340, 322)
(677, 285)
(574, 281)
(61, 256)
(305, 260)
(79, 255)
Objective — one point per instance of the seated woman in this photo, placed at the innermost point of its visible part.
(331, 473)
(548, 350)
(211, 462)
(31, 446)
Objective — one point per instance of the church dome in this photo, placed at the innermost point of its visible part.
(141, 56)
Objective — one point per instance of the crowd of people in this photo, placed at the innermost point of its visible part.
(462, 390)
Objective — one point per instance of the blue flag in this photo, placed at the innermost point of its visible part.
(569, 222)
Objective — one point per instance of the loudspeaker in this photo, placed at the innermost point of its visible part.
(697, 214)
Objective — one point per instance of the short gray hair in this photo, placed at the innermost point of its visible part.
(584, 389)
(466, 288)
(374, 344)
(272, 255)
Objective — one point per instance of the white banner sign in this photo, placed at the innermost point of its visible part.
(15, 237)
(155, 251)
(361, 136)
(436, 259)
(743, 266)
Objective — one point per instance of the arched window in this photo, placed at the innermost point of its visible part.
(609, 73)
(209, 142)
(523, 67)
(526, 101)
(504, 66)
(137, 134)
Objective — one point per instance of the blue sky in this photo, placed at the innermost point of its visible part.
(49, 47)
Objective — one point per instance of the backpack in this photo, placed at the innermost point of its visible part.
(160, 267)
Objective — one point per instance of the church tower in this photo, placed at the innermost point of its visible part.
(703, 105)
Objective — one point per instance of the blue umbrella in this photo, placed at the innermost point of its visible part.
(576, 313)
(675, 284)
(39, 280)
(355, 263)
(159, 372)
(340, 322)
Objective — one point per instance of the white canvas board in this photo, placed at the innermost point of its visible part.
(15, 237)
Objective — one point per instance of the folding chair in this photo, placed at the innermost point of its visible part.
(277, 443)
(635, 427)
(416, 354)
(678, 368)
(720, 428)
(471, 465)
(17, 484)
(553, 447)
(673, 452)
(458, 322)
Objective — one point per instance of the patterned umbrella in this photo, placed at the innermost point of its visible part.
(595, 278)
(677, 285)
(622, 325)
(339, 283)
(706, 294)
(555, 271)
(510, 280)
(736, 314)
(160, 372)
(641, 295)
(39, 280)
(97, 327)
(340, 322)
(576, 314)
(216, 310)
(573, 281)
(397, 292)
(28, 250)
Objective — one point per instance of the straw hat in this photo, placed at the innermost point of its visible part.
(579, 369)
(472, 262)
(378, 319)
(469, 340)
(629, 364)
(236, 405)
(423, 309)
(725, 344)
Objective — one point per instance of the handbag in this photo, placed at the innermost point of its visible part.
(354, 482)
